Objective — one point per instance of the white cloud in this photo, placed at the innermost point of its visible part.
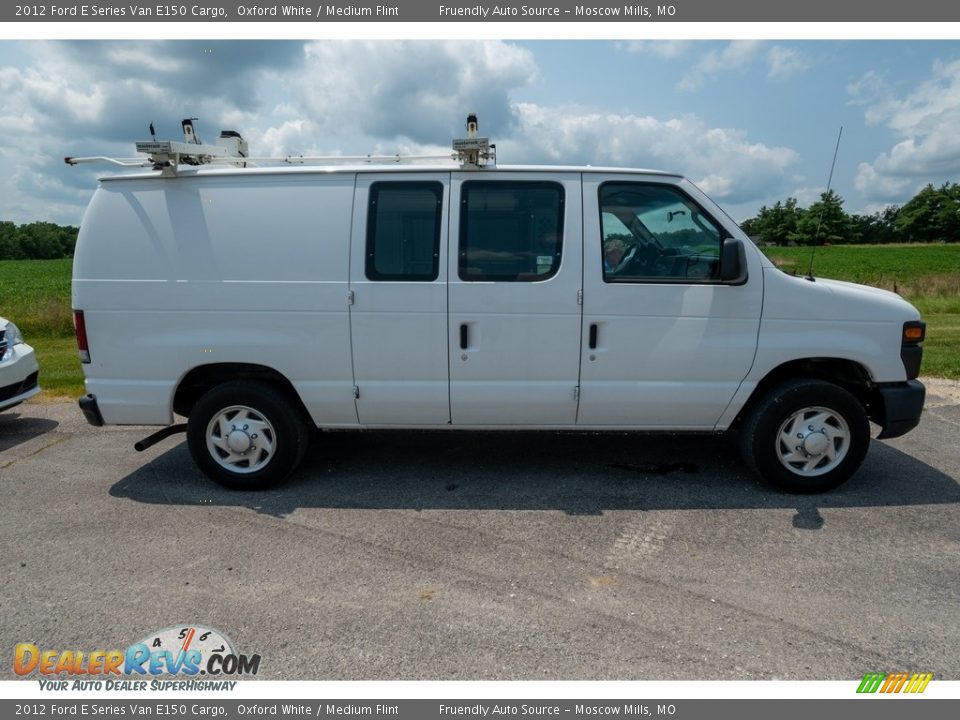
(736, 55)
(326, 98)
(415, 90)
(867, 88)
(287, 138)
(877, 186)
(722, 161)
(142, 56)
(806, 196)
(91, 98)
(784, 62)
(666, 49)
(926, 121)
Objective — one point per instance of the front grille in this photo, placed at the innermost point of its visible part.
(3, 343)
(19, 388)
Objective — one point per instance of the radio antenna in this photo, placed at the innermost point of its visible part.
(816, 236)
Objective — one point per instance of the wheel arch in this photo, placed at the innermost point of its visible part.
(203, 378)
(848, 374)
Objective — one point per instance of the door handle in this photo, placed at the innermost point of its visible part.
(464, 336)
(593, 336)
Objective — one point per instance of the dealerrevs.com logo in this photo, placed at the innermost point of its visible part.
(909, 683)
(180, 651)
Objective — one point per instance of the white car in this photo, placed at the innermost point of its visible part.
(19, 371)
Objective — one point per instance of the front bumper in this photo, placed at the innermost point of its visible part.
(900, 406)
(19, 373)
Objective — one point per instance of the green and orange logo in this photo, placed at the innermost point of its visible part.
(894, 682)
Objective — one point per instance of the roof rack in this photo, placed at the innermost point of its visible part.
(471, 152)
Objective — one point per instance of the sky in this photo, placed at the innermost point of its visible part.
(750, 122)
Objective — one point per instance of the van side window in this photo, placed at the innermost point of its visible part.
(653, 232)
(510, 231)
(403, 231)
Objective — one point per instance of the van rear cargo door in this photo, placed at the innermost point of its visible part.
(398, 284)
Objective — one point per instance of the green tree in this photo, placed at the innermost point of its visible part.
(825, 222)
(778, 224)
(67, 237)
(10, 242)
(878, 228)
(932, 215)
(40, 241)
(36, 240)
(749, 226)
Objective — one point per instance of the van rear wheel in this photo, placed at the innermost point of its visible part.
(246, 435)
(806, 436)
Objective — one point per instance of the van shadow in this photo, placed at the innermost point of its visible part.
(578, 474)
(16, 427)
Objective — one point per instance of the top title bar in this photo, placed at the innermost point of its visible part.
(451, 11)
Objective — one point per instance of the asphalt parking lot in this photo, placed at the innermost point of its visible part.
(488, 556)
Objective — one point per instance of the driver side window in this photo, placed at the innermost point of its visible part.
(655, 233)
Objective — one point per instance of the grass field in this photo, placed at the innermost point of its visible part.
(35, 294)
(926, 275)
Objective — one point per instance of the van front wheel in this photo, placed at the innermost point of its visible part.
(806, 436)
(246, 435)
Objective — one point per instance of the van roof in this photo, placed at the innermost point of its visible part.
(219, 170)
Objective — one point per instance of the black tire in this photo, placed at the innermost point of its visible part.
(844, 433)
(272, 453)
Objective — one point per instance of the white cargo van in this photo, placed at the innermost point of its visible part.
(262, 302)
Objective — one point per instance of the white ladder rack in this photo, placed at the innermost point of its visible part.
(471, 152)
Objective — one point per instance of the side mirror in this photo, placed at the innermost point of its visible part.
(733, 262)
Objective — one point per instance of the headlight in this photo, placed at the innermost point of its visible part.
(13, 336)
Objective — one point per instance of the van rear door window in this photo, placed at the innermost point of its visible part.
(403, 231)
(510, 231)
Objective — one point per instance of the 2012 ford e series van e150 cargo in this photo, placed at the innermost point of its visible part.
(263, 301)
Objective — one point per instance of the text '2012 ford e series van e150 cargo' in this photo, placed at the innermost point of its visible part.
(261, 302)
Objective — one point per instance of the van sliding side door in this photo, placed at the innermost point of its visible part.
(398, 284)
(515, 268)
